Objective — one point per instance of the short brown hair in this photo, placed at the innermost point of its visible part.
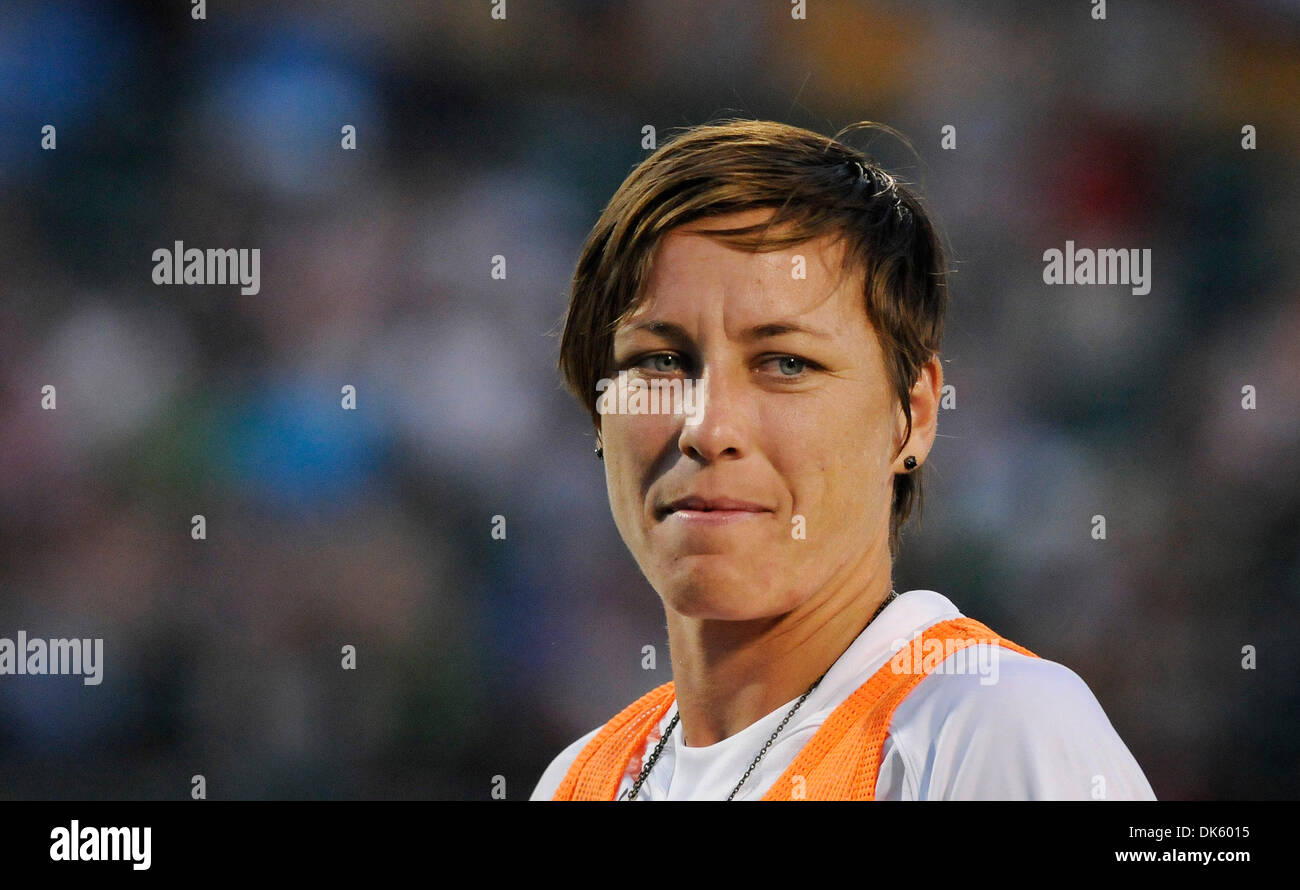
(818, 186)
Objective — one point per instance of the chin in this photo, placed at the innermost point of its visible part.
(707, 587)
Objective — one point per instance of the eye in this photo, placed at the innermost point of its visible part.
(661, 362)
(790, 365)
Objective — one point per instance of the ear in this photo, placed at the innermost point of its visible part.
(924, 399)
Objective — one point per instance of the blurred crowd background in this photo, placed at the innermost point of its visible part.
(479, 657)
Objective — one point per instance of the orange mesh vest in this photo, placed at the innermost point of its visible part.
(840, 761)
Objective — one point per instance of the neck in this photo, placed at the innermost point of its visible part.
(729, 674)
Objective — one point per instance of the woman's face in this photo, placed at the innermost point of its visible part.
(797, 429)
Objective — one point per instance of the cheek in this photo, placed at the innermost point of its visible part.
(633, 444)
(836, 464)
(620, 476)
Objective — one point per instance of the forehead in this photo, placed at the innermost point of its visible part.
(694, 275)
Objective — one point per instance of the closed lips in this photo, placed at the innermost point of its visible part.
(708, 505)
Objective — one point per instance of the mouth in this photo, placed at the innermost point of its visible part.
(710, 510)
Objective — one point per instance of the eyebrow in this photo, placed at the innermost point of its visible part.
(670, 331)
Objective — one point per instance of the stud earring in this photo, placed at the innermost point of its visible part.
(910, 463)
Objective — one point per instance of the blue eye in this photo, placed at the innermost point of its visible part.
(662, 362)
(792, 369)
(799, 365)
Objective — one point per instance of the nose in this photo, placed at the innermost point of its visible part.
(725, 414)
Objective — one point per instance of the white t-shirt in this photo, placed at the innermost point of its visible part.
(1037, 733)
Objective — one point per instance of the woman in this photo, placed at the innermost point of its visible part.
(786, 298)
